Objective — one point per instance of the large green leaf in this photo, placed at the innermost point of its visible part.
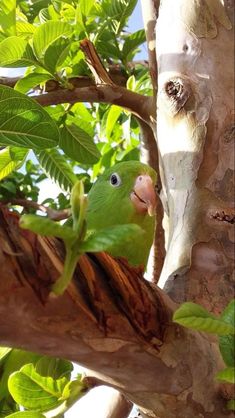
(227, 375)
(10, 161)
(56, 167)
(46, 227)
(227, 342)
(33, 391)
(113, 239)
(24, 123)
(8, 17)
(194, 316)
(78, 145)
(16, 52)
(132, 42)
(30, 81)
(47, 33)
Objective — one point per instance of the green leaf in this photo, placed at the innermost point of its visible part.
(54, 367)
(33, 391)
(194, 316)
(118, 11)
(56, 54)
(30, 81)
(23, 122)
(231, 405)
(47, 33)
(73, 391)
(8, 17)
(8, 163)
(226, 375)
(113, 239)
(26, 414)
(132, 42)
(113, 115)
(56, 168)
(24, 29)
(227, 342)
(4, 351)
(16, 52)
(14, 361)
(45, 227)
(78, 145)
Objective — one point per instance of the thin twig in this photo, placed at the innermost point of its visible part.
(55, 215)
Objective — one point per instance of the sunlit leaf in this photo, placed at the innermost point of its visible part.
(113, 115)
(16, 52)
(47, 33)
(33, 391)
(8, 17)
(196, 317)
(8, 163)
(14, 361)
(23, 122)
(30, 81)
(4, 351)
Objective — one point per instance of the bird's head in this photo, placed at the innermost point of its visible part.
(125, 193)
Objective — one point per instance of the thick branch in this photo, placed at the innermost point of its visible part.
(141, 106)
(109, 320)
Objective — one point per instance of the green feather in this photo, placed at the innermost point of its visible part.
(110, 205)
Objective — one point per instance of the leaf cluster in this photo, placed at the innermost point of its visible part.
(34, 386)
(194, 316)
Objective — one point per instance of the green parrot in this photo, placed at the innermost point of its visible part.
(125, 194)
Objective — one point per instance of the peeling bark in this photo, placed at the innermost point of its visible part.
(111, 321)
(195, 106)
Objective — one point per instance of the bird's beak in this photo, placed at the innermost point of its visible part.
(143, 195)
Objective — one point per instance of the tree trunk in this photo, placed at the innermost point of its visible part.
(110, 319)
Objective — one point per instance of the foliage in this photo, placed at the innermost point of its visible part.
(192, 315)
(64, 143)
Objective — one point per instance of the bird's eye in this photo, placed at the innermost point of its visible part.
(115, 180)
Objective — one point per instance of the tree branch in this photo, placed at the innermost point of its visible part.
(55, 215)
(139, 105)
(109, 320)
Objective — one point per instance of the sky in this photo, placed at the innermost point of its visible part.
(93, 405)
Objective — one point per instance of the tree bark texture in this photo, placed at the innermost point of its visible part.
(111, 321)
